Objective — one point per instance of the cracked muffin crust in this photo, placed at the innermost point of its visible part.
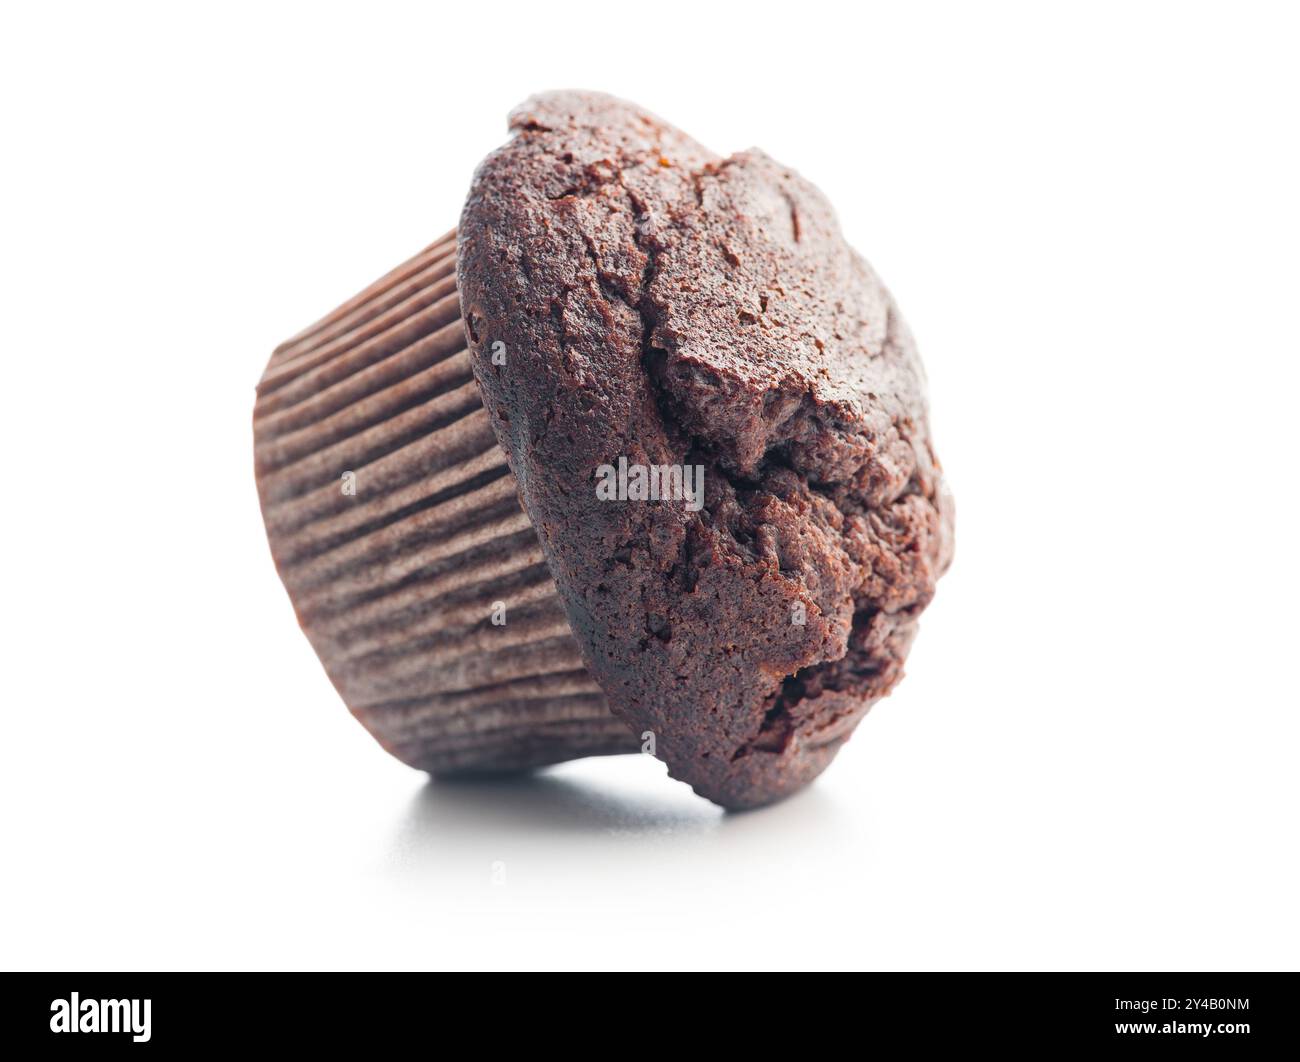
(657, 303)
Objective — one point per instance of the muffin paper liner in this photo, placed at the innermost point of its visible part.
(395, 525)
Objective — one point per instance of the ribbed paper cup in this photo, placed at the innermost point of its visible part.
(395, 525)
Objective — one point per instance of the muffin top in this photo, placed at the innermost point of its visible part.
(717, 420)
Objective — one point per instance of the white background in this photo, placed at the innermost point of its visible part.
(1089, 216)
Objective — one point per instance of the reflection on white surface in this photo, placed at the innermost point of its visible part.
(609, 862)
(619, 820)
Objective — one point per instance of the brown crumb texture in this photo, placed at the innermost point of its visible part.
(663, 304)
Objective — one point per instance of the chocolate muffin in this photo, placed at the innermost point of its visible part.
(716, 423)
(716, 420)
